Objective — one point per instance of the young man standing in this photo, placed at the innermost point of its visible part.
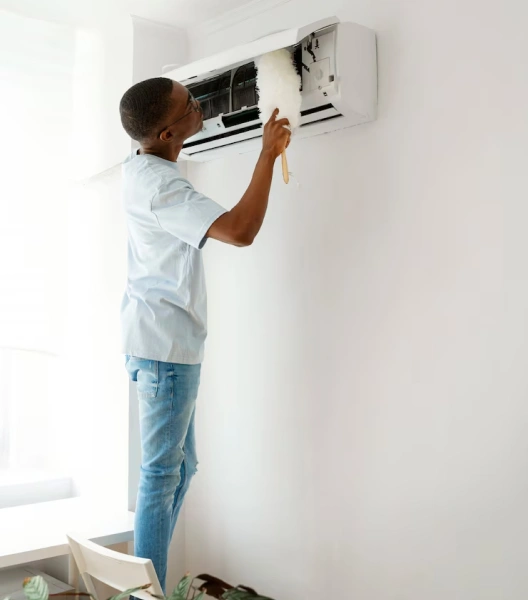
(164, 307)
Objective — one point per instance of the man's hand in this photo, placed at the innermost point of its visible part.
(276, 136)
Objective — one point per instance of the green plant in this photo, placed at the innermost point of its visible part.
(36, 588)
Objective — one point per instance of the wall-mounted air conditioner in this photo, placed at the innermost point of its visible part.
(337, 64)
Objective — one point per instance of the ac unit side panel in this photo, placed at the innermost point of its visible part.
(356, 65)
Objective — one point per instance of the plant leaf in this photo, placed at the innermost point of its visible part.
(36, 588)
(72, 594)
(235, 594)
(129, 592)
(181, 590)
(238, 594)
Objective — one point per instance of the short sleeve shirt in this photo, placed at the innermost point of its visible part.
(164, 309)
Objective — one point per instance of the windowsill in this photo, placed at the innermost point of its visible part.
(38, 531)
(18, 488)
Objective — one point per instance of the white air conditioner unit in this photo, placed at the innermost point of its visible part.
(337, 63)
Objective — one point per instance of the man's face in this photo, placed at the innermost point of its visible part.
(185, 115)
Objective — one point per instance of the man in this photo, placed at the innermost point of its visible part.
(164, 307)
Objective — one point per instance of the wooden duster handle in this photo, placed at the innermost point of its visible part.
(285, 173)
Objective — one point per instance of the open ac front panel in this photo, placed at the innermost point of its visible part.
(229, 100)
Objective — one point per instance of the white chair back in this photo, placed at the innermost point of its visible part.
(119, 571)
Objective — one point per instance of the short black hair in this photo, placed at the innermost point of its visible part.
(144, 106)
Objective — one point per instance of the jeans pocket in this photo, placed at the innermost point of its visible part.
(145, 373)
(147, 379)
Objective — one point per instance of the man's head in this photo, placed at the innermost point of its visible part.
(160, 111)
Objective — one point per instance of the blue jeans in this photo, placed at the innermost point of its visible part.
(167, 399)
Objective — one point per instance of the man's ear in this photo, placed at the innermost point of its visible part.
(166, 135)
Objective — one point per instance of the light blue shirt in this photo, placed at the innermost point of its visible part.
(164, 309)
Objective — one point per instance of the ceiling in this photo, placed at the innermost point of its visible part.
(183, 13)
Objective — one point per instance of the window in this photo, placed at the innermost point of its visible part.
(63, 388)
(36, 75)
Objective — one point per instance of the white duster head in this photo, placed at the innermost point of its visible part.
(279, 87)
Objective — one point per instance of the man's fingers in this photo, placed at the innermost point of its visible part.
(282, 134)
(287, 141)
(273, 115)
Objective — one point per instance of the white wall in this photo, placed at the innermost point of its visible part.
(103, 71)
(363, 408)
(157, 45)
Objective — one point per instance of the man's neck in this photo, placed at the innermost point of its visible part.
(170, 153)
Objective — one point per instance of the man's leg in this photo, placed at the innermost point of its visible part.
(167, 396)
(187, 471)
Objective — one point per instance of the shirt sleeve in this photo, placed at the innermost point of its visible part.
(184, 212)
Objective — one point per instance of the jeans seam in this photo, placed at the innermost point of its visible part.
(167, 442)
(160, 528)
